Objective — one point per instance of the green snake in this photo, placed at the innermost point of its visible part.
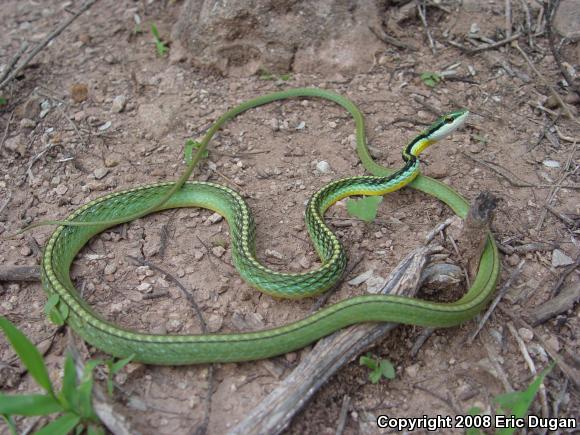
(104, 212)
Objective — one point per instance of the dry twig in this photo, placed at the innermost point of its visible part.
(202, 429)
(500, 294)
(45, 42)
(563, 105)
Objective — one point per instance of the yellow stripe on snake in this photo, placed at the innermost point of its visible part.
(102, 213)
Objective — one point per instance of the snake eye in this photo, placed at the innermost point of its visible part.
(448, 120)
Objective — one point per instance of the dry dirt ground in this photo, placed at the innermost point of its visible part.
(61, 154)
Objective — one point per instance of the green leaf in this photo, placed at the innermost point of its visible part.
(29, 404)
(155, 31)
(474, 410)
(85, 390)
(95, 430)
(61, 426)
(364, 208)
(368, 361)
(10, 423)
(430, 79)
(286, 77)
(159, 44)
(375, 376)
(52, 310)
(69, 383)
(51, 303)
(188, 150)
(517, 403)
(117, 366)
(28, 353)
(387, 370)
(3, 101)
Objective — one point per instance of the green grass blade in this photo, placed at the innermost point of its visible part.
(10, 424)
(95, 430)
(517, 403)
(29, 404)
(61, 426)
(28, 353)
(69, 383)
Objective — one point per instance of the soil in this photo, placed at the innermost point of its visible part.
(65, 143)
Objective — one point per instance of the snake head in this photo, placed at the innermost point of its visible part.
(446, 125)
(437, 131)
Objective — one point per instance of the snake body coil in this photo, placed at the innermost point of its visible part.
(110, 210)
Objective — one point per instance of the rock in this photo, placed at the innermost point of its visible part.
(144, 287)
(363, 277)
(79, 92)
(100, 173)
(61, 189)
(215, 218)
(375, 284)
(214, 322)
(110, 268)
(551, 163)
(567, 19)
(198, 254)
(323, 167)
(304, 262)
(559, 258)
(174, 325)
(218, 251)
(240, 38)
(274, 254)
(16, 144)
(111, 162)
(25, 251)
(513, 260)
(526, 334)
(119, 103)
(412, 371)
(27, 123)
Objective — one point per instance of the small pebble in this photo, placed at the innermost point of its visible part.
(412, 370)
(119, 104)
(513, 260)
(218, 251)
(27, 123)
(198, 254)
(304, 262)
(110, 268)
(526, 334)
(274, 254)
(323, 167)
(144, 287)
(215, 218)
(559, 258)
(358, 280)
(61, 189)
(100, 173)
(25, 251)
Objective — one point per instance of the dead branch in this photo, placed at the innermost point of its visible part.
(387, 39)
(276, 411)
(560, 304)
(19, 273)
(475, 230)
(552, 7)
(476, 50)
